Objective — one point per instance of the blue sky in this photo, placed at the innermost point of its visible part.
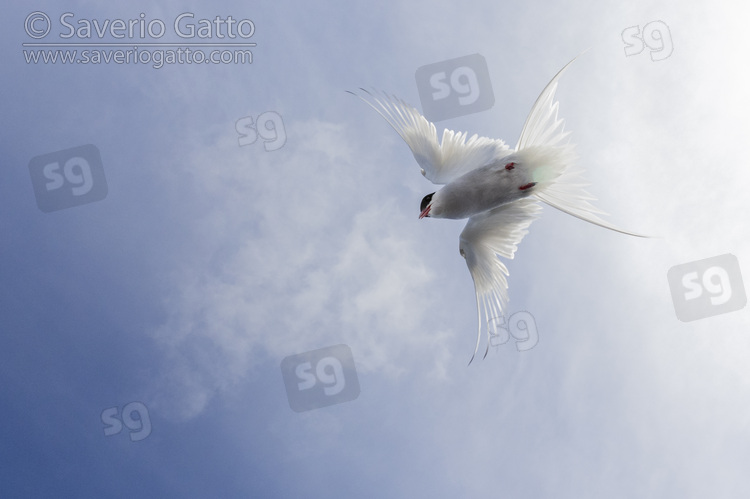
(208, 263)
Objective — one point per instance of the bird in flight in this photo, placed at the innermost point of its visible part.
(497, 188)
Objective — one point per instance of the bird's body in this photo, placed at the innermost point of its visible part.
(502, 181)
(497, 188)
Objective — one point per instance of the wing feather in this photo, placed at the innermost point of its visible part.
(440, 162)
(487, 236)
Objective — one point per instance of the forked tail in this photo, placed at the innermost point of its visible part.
(544, 143)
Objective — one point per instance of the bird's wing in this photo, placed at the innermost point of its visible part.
(440, 162)
(486, 236)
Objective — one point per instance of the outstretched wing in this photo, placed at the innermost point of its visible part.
(440, 162)
(486, 236)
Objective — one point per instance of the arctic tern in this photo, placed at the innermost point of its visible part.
(497, 188)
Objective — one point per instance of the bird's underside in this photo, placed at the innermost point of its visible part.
(497, 188)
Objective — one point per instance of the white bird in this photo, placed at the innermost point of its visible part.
(497, 188)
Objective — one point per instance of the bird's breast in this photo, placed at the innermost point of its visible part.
(483, 189)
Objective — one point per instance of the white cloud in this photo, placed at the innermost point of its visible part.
(296, 249)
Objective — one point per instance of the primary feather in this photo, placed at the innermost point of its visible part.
(443, 161)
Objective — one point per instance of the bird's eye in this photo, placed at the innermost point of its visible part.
(425, 201)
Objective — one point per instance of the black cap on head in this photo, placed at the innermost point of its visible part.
(425, 201)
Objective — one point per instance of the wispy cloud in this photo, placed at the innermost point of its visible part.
(296, 249)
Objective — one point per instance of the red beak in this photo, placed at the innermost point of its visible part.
(425, 212)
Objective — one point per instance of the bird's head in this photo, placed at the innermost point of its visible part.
(426, 206)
